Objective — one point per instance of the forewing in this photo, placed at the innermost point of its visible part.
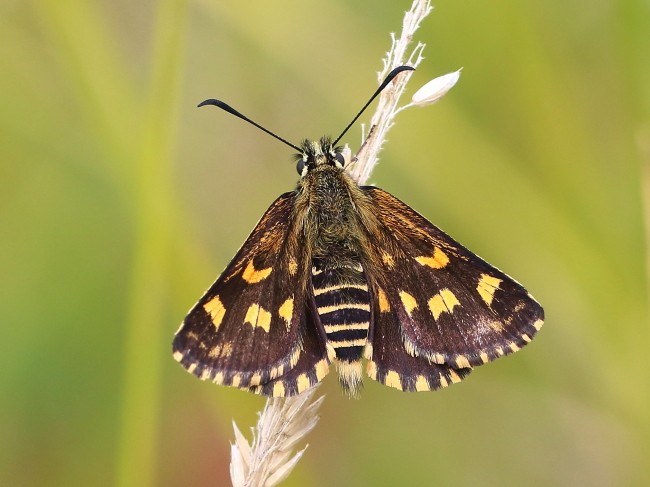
(250, 327)
(450, 306)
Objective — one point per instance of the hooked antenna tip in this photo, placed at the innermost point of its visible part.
(211, 101)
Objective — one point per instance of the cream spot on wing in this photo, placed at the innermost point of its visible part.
(302, 382)
(462, 362)
(236, 380)
(455, 378)
(538, 324)
(294, 357)
(496, 326)
(384, 306)
(322, 368)
(293, 267)
(286, 311)
(484, 357)
(408, 301)
(436, 358)
(257, 316)
(443, 381)
(410, 348)
(487, 286)
(253, 276)
(215, 351)
(178, 356)
(443, 302)
(388, 260)
(371, 370)
(256, 379)
(216, 310)
(421, 384)
(392, 379)
(276, 371)
(221, 350)
(437, 261)
(278, 389)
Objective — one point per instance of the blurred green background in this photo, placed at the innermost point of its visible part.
(121, 202)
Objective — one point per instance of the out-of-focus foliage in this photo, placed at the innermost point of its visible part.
(120, 202)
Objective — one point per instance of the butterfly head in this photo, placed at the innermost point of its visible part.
(318, 153)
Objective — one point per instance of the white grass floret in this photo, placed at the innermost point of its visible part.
(435, 89)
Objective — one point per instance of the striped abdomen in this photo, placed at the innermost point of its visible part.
(343, 305)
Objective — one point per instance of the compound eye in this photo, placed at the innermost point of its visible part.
(339, 159)
(301, 167)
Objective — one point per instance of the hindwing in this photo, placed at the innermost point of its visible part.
(390, 364)
(311, 367)
(434, 300)
(252, 328)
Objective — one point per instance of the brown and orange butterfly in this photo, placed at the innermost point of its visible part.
(335, 272)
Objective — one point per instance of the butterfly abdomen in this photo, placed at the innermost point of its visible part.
(343, 306)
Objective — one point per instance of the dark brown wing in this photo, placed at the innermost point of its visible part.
(390, 363)
(311, 367)
(445, 304)
(251, 329)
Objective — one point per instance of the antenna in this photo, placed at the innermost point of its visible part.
(388, 79)
(231, 110)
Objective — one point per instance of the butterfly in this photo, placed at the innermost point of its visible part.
(334, 274)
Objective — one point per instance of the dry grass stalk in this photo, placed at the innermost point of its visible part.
(384, 116)
(284, 422)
